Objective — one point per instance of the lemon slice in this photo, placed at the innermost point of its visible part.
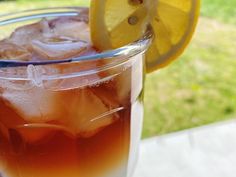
(115, 23)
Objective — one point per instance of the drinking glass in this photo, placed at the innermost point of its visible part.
(73, 117)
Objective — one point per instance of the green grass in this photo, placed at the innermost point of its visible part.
(225, 11)
(197, 89)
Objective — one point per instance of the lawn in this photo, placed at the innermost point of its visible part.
(197, 89)
(224, 11)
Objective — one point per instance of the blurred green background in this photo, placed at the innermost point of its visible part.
(197, 89)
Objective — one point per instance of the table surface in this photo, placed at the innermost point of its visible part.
(208, 151)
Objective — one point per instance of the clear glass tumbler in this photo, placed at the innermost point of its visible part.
(79, 117)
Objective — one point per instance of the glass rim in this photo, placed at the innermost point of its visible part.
(129, 50)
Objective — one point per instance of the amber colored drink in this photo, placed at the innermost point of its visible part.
(79, 119)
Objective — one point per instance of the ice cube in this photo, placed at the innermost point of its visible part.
(130, 82)
(60, 38)
(73, 27)
(24, 35)
(118, 88)
(80, 110)
(127, 84)
(12, 51)
(33, 105)
(58, 48)
(88, 113)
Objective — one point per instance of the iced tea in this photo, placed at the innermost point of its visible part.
(80, 119)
